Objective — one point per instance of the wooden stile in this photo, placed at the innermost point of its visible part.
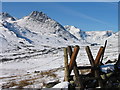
(73, 65)
(95, 65)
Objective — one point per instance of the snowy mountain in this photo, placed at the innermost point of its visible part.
(35, 30)
(76, 31)
(98, 36)
(6, 16)
(8, 39)
(40, 23)
(89, 36)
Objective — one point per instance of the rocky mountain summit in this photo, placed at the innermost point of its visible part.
(37, 29)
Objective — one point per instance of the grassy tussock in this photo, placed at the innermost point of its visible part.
(9, 84)
(30, 80)
(24, 83)
(19, 84)
(48, 74)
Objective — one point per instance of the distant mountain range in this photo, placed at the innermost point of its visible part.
(38, 30)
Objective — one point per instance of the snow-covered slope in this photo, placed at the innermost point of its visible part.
(98, 36)
(76, 31)
(37, 30)
(6, 16)
(8, 39)
(89, 36)
(42, 24)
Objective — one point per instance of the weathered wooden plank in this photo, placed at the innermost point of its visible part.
(119, 58)
(73, 58)
(69, 48)
(98, 57)
(78, 77)
(66, 77)
(118, 62)
(97, 75)
(89, 53)
(103, 52)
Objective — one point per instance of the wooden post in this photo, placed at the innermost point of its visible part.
(70, 51)
(118, 62)
(119, 57)
(73, 58)
(100, 53)
(78, 77)
(66, 77)
(103, 52)
(89, 53)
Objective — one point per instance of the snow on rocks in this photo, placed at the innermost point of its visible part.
(107, 68)
(61, 85)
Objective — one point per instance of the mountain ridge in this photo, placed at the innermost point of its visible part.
(39, 29)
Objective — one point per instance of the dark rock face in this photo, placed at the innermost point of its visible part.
(40, 16)
(5, 15)
(109, 33)
(50, 24)
(83, 34)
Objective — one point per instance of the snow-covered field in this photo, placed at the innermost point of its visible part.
(31, 49)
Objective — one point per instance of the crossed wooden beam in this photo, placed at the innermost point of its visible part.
(73, 65)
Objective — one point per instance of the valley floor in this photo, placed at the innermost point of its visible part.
(32, 68)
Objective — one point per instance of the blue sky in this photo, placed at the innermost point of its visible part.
(89, 16)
